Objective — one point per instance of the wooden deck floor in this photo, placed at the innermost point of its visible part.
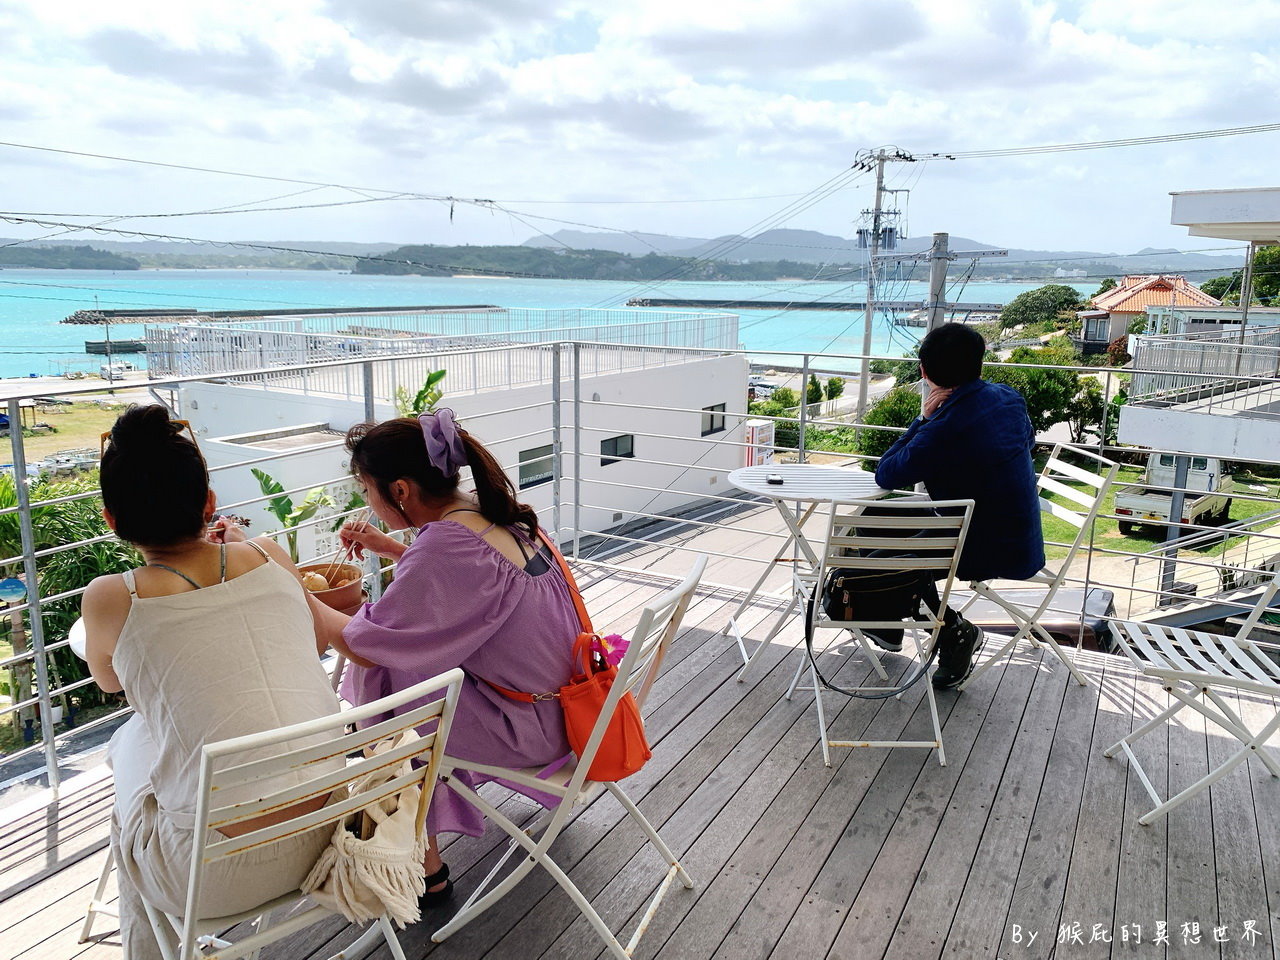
(884, 854)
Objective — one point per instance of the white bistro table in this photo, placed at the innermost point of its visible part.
(804, 488)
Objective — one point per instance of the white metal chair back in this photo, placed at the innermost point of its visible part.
(1081, 512)
(911, 537)
(1055, 480)
(659, 623)
(1197, 668)
(917, 536)
(305, 762)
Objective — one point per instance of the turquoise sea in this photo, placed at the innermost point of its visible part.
(32, 302)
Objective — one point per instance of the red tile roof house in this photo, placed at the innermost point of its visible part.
(1113, 311)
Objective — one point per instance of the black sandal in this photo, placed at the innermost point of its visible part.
(433, 898)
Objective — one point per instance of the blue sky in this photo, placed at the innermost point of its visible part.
(592, 111)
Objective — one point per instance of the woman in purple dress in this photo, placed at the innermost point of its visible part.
(475, 589)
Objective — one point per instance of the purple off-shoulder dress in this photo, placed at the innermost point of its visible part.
(457, 601)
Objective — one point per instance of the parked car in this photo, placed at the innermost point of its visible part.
(1149, 503)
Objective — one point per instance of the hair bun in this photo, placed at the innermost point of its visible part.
(143, 426)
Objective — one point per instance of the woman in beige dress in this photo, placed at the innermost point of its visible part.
(209, 640)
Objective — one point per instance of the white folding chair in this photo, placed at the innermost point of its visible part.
(659, 622)
(99, 906)
(223, 768)
(1055, 480)
(924, 536)
(1197, 668)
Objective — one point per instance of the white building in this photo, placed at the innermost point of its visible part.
(1213, 393)
(672, 411)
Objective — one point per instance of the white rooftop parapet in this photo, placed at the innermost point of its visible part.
(1252, 213)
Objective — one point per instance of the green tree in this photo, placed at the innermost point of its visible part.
(1049, 393)
(1266, 280)
(813, 391)
(835, 387)
(1041, 305)
(1118, 351)
(1220, 288)
(785, 397)
(904, 371)
(897, 408)
(1107, 284)
(1086, 410)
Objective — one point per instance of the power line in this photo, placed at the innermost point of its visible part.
(1105, 144)
(404, 193)
(210, 213)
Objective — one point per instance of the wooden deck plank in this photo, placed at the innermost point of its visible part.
(1144, 850)
(1237, 856)
(941, 799)
(741, 786)
(869, 858)
(1033, 783)
(1257, 710)
(716, 718)
(807, 801)
(1087, 916)
(988, 814)
(805, 896)
(1191, 895)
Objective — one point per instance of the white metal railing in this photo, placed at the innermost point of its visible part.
(203, 348)
(1189, 367)
(653, 517)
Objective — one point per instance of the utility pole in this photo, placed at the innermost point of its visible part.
(1246, 289)
(938, 259)
(864, 376)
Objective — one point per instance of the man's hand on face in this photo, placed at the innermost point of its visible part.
(936, 398)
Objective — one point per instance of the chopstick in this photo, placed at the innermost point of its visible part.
(346, 554)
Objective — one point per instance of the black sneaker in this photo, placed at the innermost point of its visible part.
(885, 643)
(957, 651)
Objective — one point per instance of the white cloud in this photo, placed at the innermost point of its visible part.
(642, 99)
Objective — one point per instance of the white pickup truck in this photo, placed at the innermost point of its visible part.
(1149, 503)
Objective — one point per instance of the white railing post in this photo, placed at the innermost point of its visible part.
(577, 448)
(35, 621)
(556, 448)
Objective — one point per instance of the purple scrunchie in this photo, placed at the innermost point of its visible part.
(445, 448)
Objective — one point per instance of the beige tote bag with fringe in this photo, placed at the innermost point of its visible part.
(379, 869)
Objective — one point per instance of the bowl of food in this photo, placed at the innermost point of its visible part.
(336, 585)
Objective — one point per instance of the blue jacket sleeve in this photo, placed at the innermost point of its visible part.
(916, 456)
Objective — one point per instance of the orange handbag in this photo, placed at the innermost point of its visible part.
(624, 749)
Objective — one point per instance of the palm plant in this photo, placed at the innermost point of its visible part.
(425, 400)
(281, 506)
(67, 570)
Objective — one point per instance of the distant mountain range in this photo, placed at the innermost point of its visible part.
(809, 246)
(792, 251)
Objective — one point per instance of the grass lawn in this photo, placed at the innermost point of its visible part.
(1107, 533)
(77, 426)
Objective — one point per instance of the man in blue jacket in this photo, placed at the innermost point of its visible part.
(972, 441)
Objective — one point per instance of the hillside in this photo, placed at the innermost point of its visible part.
(809, 246)
(433, 261)
(64, 258)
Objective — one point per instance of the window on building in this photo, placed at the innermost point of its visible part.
(617, 448)
(1096, 329)
(535, 466)
(712, 419)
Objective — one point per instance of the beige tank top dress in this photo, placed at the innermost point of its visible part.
(225, 660)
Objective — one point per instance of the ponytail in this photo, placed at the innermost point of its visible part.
(495, 491)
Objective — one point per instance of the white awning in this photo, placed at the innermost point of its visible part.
(1252, 213)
